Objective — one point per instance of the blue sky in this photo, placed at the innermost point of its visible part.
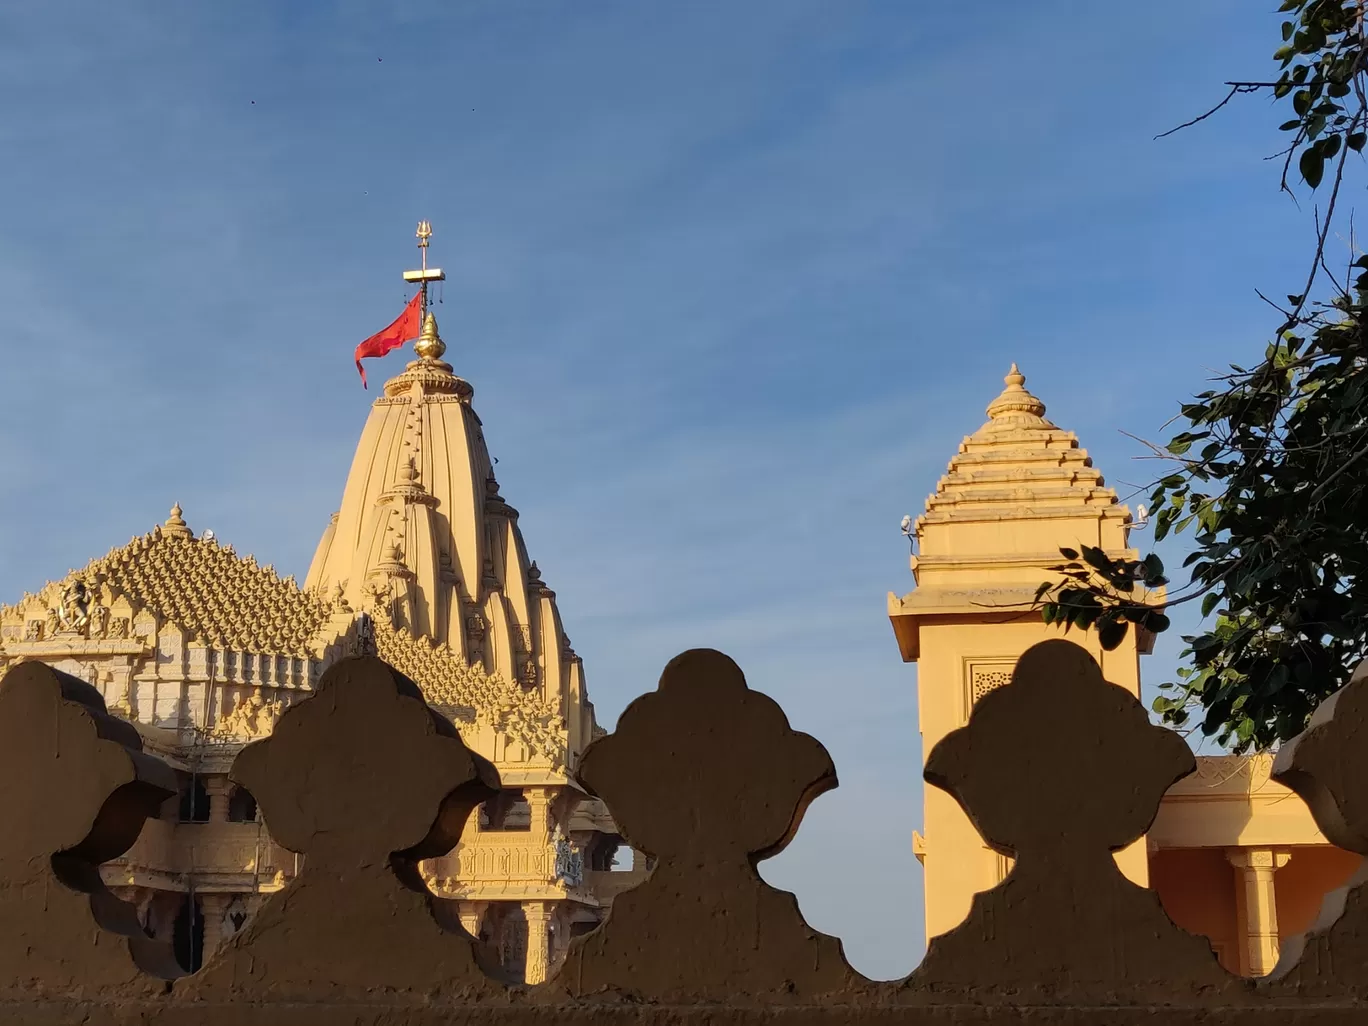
(731, 282)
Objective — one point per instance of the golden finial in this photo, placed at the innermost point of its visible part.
(424, 233)
(1015, 399)
(429, 345)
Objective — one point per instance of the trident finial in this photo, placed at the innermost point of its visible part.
(422, 277)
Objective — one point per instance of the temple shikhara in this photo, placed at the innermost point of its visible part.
(1232, 855)
(424, 565)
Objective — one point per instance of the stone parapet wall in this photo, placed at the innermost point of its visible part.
(1057, 769)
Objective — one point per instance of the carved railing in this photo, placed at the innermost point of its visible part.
(1059, 770)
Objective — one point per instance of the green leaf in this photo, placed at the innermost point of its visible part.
(1111, 633)
(1209, 603)
(1096, 558)
(1312, 166)
(1069, 553)
(1203, 643)
(1157, 623)
(1329, 146)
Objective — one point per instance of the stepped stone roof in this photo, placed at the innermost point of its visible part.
(1019, 464)
(216, 596)
(469, 695)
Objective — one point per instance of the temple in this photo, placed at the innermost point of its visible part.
(1232, 855)
(202, 649)
(424, 564)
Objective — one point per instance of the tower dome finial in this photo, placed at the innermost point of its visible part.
(175, 525)
(429, 345)
(1015, 399)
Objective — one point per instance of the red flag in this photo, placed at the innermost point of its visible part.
(406, 326)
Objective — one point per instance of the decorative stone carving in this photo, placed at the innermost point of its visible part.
(476, 628)
(522, 715)
(365, 635)
(33, 630)
(98, 620)
(527, 672)
(985, 677)
(73, 611)
(252, 717)
(569, 861)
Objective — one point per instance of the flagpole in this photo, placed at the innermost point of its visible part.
(424, 233)
(426, 274)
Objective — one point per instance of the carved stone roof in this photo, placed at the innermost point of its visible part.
(461, 690)
(1018, 465)
(205, 589)
(1019, 489)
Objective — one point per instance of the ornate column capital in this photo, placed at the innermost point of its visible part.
(1257, 858)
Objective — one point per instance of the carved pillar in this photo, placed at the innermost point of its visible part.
(538, 916)
(539, 803)
(472, 917)
(214, 908)
(1256, 907)
(217, 789)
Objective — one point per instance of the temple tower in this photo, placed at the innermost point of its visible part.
(425, 545)
(1017, 491)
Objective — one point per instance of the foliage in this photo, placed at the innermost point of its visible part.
(1271, 468)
